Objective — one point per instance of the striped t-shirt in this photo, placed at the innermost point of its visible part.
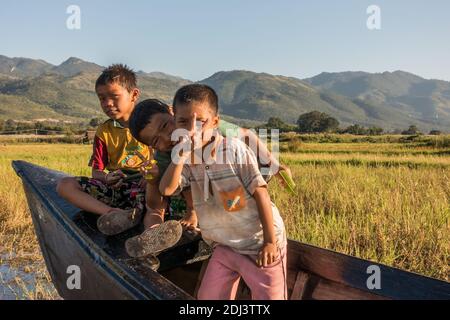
(222, 192)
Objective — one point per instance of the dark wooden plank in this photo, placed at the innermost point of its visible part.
(328, 290)
(185, 277)
(352, 272)
(299, 286)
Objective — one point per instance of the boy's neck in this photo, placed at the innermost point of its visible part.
(215, 141)
(125, 120)
(123, 123)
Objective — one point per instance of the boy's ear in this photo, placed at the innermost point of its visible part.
(171, 110)
(135, 94)
(216, 120)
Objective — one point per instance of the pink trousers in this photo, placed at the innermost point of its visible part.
(226, 267)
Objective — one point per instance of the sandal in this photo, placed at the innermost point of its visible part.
(154, 240)
(118, 220)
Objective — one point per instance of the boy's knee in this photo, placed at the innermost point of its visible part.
(66, 184)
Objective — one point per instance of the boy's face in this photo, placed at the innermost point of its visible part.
(205, 116)
(157, 133)
(115, 100)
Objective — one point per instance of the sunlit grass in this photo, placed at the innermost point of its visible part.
(397, 216)
(17, 238)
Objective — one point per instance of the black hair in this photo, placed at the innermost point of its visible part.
(143, 113)
(118, 73)
(197, 93)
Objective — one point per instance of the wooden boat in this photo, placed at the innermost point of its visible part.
(68, 236)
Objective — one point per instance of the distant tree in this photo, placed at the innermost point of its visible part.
(95, 122)
(356, 129)
(412, 130)
(316, 121)
(39, 125)
(10, 125)
(2, 124)
(375, 131)
(277, 123)
(435, 132)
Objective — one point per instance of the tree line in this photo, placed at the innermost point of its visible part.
(310, 122)
(320, 122)
(41, 127)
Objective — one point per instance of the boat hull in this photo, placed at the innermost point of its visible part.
(67, 248)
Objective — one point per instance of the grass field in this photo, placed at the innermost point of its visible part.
(383, 200)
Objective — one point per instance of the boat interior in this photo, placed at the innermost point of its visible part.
(185, 263)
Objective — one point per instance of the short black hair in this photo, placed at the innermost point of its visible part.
(118, 73)
(143, 113)
(197, 93)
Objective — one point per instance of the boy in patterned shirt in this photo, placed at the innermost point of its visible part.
(110, 192)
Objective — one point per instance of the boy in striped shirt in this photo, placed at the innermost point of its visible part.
(230, 197)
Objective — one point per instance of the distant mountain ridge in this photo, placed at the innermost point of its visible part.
(405, 94)
(23, 67)
(33, 89)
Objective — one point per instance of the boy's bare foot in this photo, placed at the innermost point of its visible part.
(154, 240)
(153, 218)
(190, 221)
(118, 220)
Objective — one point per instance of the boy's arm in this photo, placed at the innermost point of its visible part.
(171, 178)
(263, 154)
(269, 251)
(98, 162)
(248, 171)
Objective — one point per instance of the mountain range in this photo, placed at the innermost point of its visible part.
(35, 89)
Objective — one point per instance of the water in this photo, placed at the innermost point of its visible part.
(15, 282)
(9, 288)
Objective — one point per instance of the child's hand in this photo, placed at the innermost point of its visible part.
(267, 255)
(192, 140)
(115, 178)
(287, 171)
(149, 171)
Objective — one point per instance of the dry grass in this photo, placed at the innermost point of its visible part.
(395, 213)
(397, 216)
(19, 248)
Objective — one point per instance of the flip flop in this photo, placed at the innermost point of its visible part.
(118, 221)
(148, 262)
(154, 240)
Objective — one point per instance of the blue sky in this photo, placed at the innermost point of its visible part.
(196, 38)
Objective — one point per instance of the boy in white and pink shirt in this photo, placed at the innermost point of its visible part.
(230, 196)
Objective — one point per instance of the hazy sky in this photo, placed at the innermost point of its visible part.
(196, 38)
